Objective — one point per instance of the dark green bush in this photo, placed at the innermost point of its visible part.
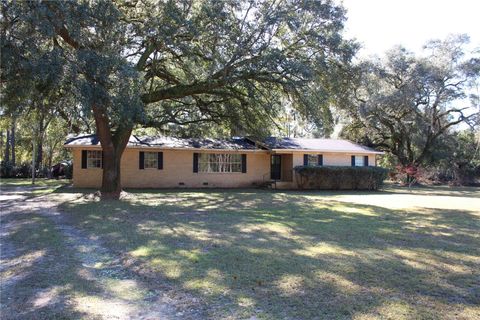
(340, 178)
(6, 169)
(24, 170)
(68, 170)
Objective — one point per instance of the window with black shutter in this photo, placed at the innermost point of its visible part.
(359, 161)
(320, 160)
(84, 159)
(195, 162)
(160, 160)
(141, 160)
(92, 159)
(313, 160)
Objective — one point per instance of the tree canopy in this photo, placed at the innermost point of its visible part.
(404, 103)
(182, 62)
(233, 67)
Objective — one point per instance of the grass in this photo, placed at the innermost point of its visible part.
(39, 182)
(397, 254)
(45, 268)
(27, 191)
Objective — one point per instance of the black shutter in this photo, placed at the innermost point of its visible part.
(84, 159)
(102, 158)
(244, 163)
(305, 159)
(160, 160)
(195, 162)
(365, 161)
(141, 160)
(320, 160)
(353, 161)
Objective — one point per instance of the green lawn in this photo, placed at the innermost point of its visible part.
(46, 268)
(396, 254)
(39, 182)
(41, 186)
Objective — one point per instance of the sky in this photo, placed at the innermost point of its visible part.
(379, 25)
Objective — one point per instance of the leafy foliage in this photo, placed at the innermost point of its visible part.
(405, 103)
(183, 62)
(8, 170)
(456, 158)
(231, 63)
(340, 178)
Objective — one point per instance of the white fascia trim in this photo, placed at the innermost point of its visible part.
(171, 149)
(353, 152)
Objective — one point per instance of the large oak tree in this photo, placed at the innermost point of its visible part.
(404, 103)
(149, 63)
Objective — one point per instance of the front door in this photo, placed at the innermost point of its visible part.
(276, 167)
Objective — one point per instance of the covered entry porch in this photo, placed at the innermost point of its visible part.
(281, 170)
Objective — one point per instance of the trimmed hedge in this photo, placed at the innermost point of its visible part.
(340, 178)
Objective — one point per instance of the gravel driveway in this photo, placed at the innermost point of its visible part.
(50, 269)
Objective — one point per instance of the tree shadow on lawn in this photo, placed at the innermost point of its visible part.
(39, 272)
(444, 190)
(283, 256)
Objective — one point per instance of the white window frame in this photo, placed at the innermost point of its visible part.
(359, 161)
(94, 159)
(219, 163)
(314, 158)
(150, 160)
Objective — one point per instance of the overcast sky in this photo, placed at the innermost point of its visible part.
(381, 24)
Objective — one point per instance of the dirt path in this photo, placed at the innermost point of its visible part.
(107, 289)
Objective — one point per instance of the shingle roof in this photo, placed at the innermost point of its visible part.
(82, 140)
(331, 145)
(169, 142)
(319, 145)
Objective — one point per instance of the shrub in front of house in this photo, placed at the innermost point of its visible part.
(340, 178)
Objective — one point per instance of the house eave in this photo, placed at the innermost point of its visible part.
(327, 151)
(143, 147)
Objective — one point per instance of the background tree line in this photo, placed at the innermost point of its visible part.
(423, 110)
(222, 68)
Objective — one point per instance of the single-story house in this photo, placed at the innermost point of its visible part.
(165, 162)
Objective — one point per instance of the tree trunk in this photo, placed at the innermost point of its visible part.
(40, 154)
(111, 180)
(12, 141)
(1, 140)
(34, 157)
(7, 148)
(40, 142)
(112, 147)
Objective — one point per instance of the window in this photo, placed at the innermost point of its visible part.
(210, 162)
(94, 159)
(150, 160)
(359, 161)
(312, 160)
